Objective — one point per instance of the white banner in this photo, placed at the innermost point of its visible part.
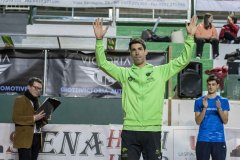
(102, 142)
(151, 4)
(218, 5)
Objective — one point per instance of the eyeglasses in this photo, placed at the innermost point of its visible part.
(37, 88)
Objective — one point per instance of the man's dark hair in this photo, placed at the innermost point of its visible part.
(34, 79)
(137, 40)
(213, 78)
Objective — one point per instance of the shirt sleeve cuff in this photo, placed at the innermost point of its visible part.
(99, 41)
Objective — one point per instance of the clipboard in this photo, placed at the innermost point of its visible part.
(49, 106)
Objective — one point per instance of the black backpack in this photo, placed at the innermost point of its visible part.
(149, 36)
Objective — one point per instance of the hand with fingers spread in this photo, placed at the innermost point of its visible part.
(39, 116)
(99, 29)
(192, 26)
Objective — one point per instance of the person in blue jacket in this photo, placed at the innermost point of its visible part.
(211, 113)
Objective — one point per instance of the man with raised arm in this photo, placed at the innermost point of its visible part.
(143, 88)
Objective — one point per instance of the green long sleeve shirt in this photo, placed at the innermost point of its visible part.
(143, 88)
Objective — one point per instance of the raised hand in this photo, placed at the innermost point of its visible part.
(99, 29)
(218, 104)
(192, 26)
(205, 102)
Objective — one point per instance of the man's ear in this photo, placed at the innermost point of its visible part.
(218, 85)
(146, 52)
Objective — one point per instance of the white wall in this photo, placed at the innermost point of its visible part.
(183, 113)
(64, 29)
